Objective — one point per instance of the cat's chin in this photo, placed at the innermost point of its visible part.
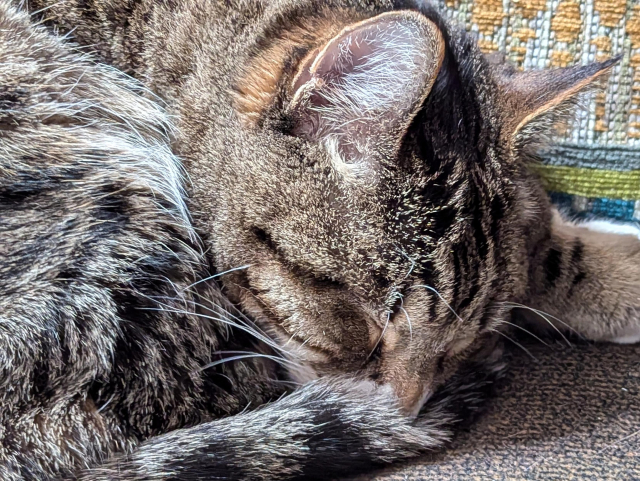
(630, 336)
(387, 390)
(383, 392)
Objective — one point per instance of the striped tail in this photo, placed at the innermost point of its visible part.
(326, 430)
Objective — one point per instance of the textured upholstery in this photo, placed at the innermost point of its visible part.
(572, 415)
(606, 135)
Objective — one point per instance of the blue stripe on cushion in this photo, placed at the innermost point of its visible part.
(581, 208)
(611, 157)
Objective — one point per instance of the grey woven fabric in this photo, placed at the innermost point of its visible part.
(620, 157)
(573, 415)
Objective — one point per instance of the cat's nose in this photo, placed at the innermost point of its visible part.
(411, 395)
(408, 370)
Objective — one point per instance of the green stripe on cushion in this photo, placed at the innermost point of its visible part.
(590, 182)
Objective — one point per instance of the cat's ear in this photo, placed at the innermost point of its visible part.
(535, 100)
(365, 85)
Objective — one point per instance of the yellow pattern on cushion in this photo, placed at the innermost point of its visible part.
(488, 14)
(611, 11)
(530, 8)
(633, 27)
(566, 21)
(537, 34)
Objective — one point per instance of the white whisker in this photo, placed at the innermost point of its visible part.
(386, 324)
(246, 408)
(525, 330)
(544, 315)
(53, 5)
(107, 403)
(244, 320)
(406, 314)
(217, 275)
(291, 338)
(517, 344)
(242, 355)
(413, 262)
(247, 329)
(441, 298)
(225, 360)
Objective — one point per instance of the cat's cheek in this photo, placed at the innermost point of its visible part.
(302, 374)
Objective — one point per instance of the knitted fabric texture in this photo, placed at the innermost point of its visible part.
(594, 169)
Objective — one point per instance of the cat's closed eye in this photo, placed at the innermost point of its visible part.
(299, 271)
(264, 238)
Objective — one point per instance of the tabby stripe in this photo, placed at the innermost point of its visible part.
(432, 307)
(475, 287)
(497, 213)
(478, 227)
(578, 278)
(456, 277)
(552, 265)
(577, 252)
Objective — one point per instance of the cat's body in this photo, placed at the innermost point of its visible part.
(383, 243)
(106, 330)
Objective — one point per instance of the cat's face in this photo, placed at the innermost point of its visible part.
(389, 215)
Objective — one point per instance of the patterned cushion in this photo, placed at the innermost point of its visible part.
(594, 170)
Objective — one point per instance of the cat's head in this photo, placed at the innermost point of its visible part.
(381, 208)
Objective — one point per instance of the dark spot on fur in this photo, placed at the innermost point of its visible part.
(265, 239)
(580, 276)
(457, 275)
(337, 434)
(442, 221)
(440, 364)
(577, 252)
(475, 287)
(477, 222)
(497, 213)
(552, 266)
(375, 355)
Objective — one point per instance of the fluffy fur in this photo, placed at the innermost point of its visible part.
(388, 244)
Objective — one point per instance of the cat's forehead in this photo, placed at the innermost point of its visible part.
(383, 220)
(315, 184)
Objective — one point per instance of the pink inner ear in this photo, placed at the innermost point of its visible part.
(343, 54)
(368, 80)
(346, 53)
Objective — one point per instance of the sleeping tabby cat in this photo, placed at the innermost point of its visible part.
(357, 177)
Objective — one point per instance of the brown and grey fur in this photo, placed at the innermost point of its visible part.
(107, 337)
(389, 247)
